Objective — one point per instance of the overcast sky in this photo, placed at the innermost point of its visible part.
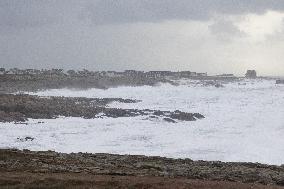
(214, 36)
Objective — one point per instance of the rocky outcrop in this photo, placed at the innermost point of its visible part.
(169, 120)
(19, 108)
(280, 81)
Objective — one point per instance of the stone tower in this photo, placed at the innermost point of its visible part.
(251, 74)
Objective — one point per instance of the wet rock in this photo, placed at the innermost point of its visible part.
(25, 139)
(218, 85)
(158, 113)
(153, 117)
(20, 107)
(169, 120)
(182, 116)
(279, 81)
(280, 181)
(198, 116)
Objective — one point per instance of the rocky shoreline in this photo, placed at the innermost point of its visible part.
(27, 169)
(126, 166)
(32, 83)
(35, 80)
(19, 108)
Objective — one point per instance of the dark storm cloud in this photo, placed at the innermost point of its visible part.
(18, 14)
(140, 34)
(31, 13)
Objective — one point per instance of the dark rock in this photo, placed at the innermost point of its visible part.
(158, 113)
(152, 116)
(20, 107)
(280, 181)
(218, 85)
(198, 116)
(279, 81)
(169, 120)
(183, 116)
(25, 139)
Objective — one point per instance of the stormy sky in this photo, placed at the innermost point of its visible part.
(214, 36)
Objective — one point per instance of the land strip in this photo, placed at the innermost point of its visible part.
(47, 169)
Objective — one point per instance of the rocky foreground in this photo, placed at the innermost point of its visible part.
(27, 169)
(19, 108)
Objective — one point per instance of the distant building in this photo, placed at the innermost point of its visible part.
(133, 73)
(28, 71)
(84, 73)
(114, 74)
(71, 72)
(193, 74)
(251, 74)
(185, 74)
(157, 74)
(57, 71)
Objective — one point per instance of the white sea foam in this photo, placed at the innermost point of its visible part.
(244, 121)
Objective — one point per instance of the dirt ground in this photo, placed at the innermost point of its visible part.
(13, 180)
(28, 169)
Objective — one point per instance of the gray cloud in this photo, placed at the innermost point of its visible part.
(122, 11)
(21, 14)
(17, 14)
(31, 13)
(225, 29)
(198, 35)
